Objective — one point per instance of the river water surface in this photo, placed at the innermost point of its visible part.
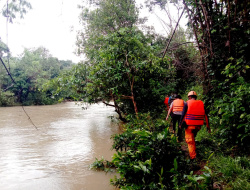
(57, 155)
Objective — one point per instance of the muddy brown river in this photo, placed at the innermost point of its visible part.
(57, 156)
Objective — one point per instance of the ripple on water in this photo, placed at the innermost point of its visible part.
(58, 155)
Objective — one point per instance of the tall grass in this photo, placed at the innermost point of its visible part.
(234, 171)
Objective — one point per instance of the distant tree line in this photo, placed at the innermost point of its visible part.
(30, 72)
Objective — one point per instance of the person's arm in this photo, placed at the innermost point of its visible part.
(184, 111)
(170, 110)
(207, 123)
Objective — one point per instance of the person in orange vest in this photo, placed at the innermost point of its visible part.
(193, 115)
(166, 102)
(176, 109)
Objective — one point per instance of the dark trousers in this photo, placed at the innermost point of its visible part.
(176, 120)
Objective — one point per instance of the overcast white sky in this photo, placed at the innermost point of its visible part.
(51, 24)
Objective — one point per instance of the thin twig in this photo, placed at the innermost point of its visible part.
(172, 35)
(19, 91)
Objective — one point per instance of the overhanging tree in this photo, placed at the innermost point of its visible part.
(123, 61)
(11, 10)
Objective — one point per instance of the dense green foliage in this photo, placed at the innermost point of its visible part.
(124, 61)
(148, 156)
(69, 84)
(127, 69)
(30, 72)
(231, 116)
(231, 172)
(224, 28)
(218, 69)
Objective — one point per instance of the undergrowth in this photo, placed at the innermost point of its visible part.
(231, 173)
(148, 156)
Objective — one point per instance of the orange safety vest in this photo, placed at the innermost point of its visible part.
(195, 113)
(178, 105)
(166, 101)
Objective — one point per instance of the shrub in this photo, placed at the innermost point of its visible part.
(7, 98)
(147, 155)
(230, 116)
(231, 172)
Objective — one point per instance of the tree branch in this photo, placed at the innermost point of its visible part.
(172, 35)
(107, 104)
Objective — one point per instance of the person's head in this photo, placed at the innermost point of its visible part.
(178, 97)
(173, 95)
(192, 95)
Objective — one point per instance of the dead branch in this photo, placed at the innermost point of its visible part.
(172, 35)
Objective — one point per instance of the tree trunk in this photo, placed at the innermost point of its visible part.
(117, 109)
(131, 82)
(132, 95)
